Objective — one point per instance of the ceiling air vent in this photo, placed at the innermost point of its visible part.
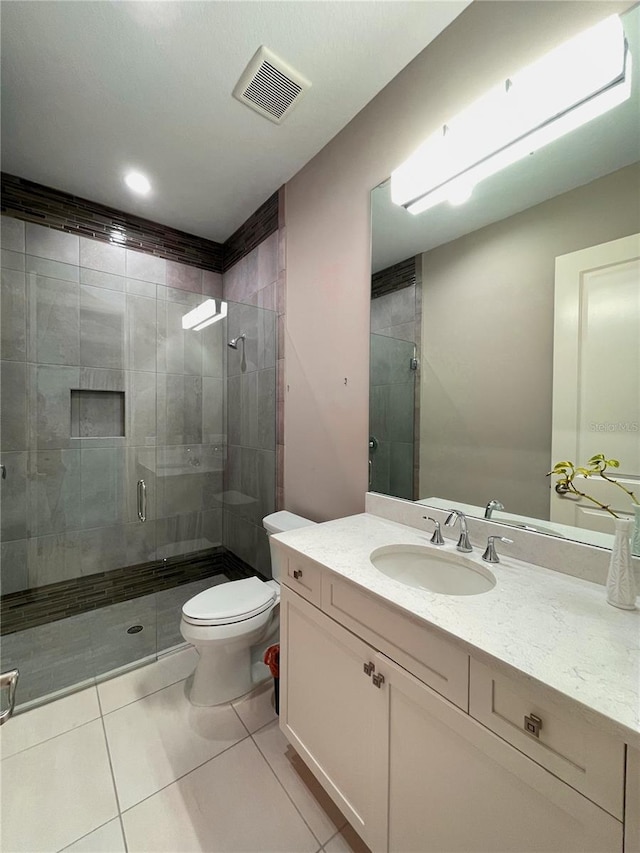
(270, 86)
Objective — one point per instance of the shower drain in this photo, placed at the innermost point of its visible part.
(134, 629)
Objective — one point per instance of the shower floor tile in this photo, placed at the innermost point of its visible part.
(151, 772)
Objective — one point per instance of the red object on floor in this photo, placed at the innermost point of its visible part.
(272, 659)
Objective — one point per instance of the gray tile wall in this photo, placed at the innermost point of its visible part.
(259, 279)
(395, 315)
(78, 314)
(391, 415)
(250, 474)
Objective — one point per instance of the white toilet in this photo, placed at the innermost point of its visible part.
(227, 622)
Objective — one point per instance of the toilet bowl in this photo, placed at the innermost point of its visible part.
(231, 622)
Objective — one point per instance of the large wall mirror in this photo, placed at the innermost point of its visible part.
(505, 333)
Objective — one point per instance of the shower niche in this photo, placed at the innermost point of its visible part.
(97, 414)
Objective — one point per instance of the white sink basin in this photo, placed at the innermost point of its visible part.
(427, 568)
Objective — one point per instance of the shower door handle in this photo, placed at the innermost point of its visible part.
(9, 680)
(142, 500)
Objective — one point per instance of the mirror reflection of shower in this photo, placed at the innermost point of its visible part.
(233, 344)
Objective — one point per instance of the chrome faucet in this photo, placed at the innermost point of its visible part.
(490, 554)
(463, 542)
(488, 510)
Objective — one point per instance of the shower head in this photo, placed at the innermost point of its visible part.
(233, 343)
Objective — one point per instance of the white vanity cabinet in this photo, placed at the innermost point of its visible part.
(411, 771)
(331, 714)
(455, 786)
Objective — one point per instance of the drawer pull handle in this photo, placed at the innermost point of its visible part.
(532, 725)
(297, 573)
(378, 680)
(369, 668)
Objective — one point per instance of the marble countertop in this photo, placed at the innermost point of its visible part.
(535, 623)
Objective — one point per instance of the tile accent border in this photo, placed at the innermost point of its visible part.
(393, 278)
(33, 202)
(260, 225)
(32, 607)
(47, 206)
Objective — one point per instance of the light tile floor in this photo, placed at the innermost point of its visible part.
(130, 765)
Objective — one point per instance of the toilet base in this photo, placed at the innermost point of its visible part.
(221, 675)
(225, 673)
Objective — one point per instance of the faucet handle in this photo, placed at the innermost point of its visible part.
(436, 539)
(490, 554)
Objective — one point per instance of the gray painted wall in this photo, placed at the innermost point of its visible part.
(488, 344)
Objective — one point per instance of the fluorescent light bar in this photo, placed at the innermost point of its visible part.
(222, 313)
(577, 81)
(204, 315)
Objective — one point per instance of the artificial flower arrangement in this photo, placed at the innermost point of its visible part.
(596, 467)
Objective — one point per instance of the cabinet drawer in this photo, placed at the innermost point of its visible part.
(589, 760)
(305, 577)
(408, 641)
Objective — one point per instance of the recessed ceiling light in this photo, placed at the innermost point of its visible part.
(137, 182)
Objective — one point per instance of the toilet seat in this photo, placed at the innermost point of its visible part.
(228, 603)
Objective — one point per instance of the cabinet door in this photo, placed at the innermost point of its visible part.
(632, 813)
(454, 786)
(332, 713)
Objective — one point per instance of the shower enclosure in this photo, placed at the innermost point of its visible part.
(392, 392)
(139, 457)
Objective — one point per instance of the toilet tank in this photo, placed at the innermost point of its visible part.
(278, 522)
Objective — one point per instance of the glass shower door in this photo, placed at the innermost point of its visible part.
(79, 434)
(190, 440)
(391, 416)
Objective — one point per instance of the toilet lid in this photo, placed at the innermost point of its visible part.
(230, 602)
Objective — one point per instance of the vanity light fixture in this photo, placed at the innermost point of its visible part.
(578, 81)
(204, 315)
(137, 182)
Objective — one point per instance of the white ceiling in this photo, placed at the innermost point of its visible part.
(600, 147)
(90, 89)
